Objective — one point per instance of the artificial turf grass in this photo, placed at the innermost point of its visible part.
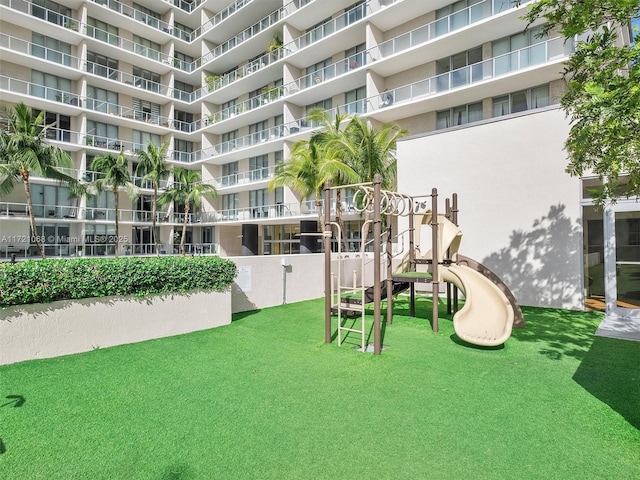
(266, 398)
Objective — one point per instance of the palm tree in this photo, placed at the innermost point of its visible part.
(187, 189)
(153, 167)
(313, 162)
(25, 152)
(114, 175)
(369, 151)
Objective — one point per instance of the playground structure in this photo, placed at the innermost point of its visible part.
(490, 310)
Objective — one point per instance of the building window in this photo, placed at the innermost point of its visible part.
(258, 203)
(459, 69)
(229, 141)
(182, 61)
(146, 111)
(259, 131)
(354, 57)
(102, 31)
(229, 174)
(534, 51)
(61, 130)
(101, 100)
(51, 87)
(102, 65)
(50, 49)
(457, 15)
(355, 12)
(142, 139)
(182, 150)
(145, 15)
(230, 206)
(355, 101)
(146, 79)
(147, 48)
(259, 168)
(521, 101)
(51, 12)
(103, 135)
(182, 91)
(229, 109)
(318, 72)
(459, 115)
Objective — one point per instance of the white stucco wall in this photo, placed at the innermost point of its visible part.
(264, 282)
(73, 326)
(519, 210)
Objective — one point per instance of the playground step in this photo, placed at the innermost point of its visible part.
(413, 277)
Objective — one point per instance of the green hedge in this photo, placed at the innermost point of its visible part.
(42, 281)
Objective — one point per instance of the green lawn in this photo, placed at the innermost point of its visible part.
(265, 398)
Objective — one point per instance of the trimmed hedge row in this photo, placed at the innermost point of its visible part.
(42, 281)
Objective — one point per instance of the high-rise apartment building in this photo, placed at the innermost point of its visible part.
(229, 85)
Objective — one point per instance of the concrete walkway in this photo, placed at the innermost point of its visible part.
(620, 327)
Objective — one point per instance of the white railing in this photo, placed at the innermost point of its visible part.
(137, 15)
(534, 55)
(241, 178)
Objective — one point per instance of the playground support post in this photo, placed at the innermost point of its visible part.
(326, 237)
(454, 219)
(389, 274)
(447, 214)
(377, 347)
(434, 256)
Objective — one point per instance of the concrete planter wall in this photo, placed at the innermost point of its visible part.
(72, 326)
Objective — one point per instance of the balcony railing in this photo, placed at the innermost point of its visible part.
(242, 178)
(327, 73)
(138, 15)
(502, 65)
(39, 51)
(266, 22)
(125, 44)
(35, 90)
(126, 78)
(219, 17)
(43, 13)
(331, 26)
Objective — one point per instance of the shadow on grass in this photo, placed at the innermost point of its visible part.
(609, 372)
(559, 332)
(177, 472)
(242, 315)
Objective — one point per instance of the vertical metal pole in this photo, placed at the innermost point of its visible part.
(447, 213)
(326, 237)
(389, 276)
(435, 256)
(454, 219)
(377, 347)
(412, 265)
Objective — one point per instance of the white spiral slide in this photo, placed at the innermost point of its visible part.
(486, 318)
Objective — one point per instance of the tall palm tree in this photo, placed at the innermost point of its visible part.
(26, 152)
(369, 151)
(153, 168)
(187, 189)
(114, 175)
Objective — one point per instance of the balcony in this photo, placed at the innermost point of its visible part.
(137, 15)
(547, 53)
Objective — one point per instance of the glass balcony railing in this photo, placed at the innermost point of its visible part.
(219, 17)
(327, 73)
(442, 26)
(142, 17)
(266, 22)
(538, 54)
(334, 25)
(36, 90)
(125, 44)
(241, 178)
(39, 51)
